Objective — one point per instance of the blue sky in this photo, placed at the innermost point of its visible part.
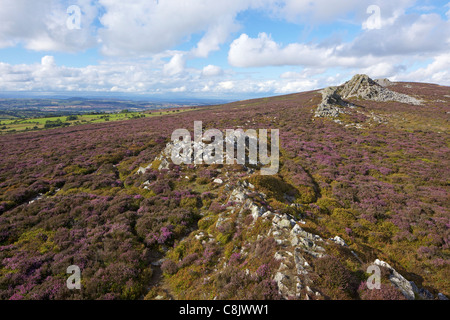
(230, 49)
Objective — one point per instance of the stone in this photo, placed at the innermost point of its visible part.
(298, 286)
(283, 266)
(279, 277)
(256, 211)
(442, 296)
(384, 82)
(338, 240)
(294, 240)
(332, 104)
(141, 170)
(300, 263)
(268, 214)
(199, 236)
(398, 280)
(276, 233)
(284, 223)
(425, 294)
(297, 230)
(218, 181)
(238, 195)
(164, 165)
(39, 197)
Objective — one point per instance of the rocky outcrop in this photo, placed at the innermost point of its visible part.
(442, 296)
(363, 87)
(164, 159)
(338, 240)
(292, 276)
(335, 99)
(296, 248)
(408, 288)
(398, 280)
(332, 104)
(384, 82)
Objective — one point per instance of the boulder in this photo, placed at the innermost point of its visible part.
(338, 240)
(442, 296)
(141, 170)
(284, 223)
(398, 280)
(385, 82)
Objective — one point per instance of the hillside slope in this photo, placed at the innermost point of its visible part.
(368, 182)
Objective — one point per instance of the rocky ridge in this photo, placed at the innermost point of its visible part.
(163, 160)
(334, 99)
(297, 248)
(363, 87)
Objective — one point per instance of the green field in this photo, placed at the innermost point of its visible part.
(32, 124)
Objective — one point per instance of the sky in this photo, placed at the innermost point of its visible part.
(231, 49)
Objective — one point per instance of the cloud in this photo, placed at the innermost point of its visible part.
(318, 12)
(48, 62)
(382, 70)
(408, 36)
(438, 71)
(41, 25)
(264, 51)
(179, 89)
(226, 85)
(140, 40)
(215, 36)
(148, 27)
(304, 74)
(212, 71)
(176, 65)
(297, 86)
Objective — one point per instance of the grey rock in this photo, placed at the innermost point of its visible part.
(332, 104)
(383, 82)
(284, 223)
(279, 277)
(141, 170)
(361, 86)
(238, 195)
(256, 211)
(338, 240)
(398, 280)
(425, 294)
(300, 263)
(442, 296)
(164, 165)
(268, 214)
(334, 99)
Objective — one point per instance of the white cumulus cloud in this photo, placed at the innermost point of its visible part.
(212, 71)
